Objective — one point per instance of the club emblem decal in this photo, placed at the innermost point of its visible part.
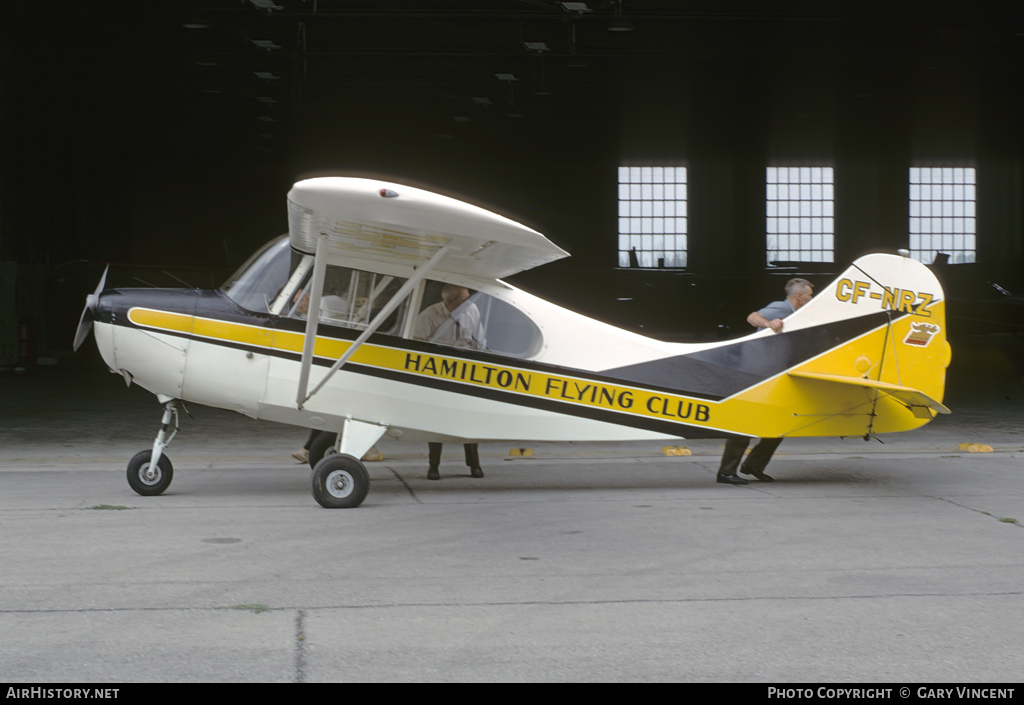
(921, 334)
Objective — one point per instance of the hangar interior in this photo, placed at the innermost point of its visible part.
(162, 137)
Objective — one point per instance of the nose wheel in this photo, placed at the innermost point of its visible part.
(150, 472)
(146, 478)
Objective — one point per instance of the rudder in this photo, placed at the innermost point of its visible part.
(907, 354)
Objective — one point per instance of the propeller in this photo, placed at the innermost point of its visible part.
(89, 312)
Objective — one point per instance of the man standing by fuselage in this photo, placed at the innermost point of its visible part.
(798, 293)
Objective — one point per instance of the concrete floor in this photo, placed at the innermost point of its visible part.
(896, 563)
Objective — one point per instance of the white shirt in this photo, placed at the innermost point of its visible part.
(460, 327)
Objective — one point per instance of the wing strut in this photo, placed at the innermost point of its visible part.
(313, 315)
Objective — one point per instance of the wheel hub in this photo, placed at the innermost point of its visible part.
(340, 484)
(149, 475)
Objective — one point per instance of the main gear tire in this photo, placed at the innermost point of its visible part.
(340, 482)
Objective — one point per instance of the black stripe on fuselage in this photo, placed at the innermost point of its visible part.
(724, 371)
(646, 423)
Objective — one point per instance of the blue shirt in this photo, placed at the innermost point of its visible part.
(776, 309)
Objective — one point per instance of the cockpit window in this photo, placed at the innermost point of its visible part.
(352, 298)
(256, 284)
(454, 315)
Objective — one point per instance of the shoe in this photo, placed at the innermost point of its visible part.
(432, 473)
(757, 473)
(731, 479)
(476, 472)
(301, 455)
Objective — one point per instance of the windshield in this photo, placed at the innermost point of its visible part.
(256, 284)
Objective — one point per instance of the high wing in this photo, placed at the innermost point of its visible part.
(380, 222)
(408, 230)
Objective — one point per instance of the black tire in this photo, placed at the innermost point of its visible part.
(322, 445)
(149, 488)
(340, 482)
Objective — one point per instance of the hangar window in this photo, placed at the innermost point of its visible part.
(800, 221)
(652, 216)
(942, 214)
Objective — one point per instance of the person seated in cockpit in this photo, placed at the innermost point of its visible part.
(454, 320)
(331, 306)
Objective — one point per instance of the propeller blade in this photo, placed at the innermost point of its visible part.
(103, 283)
(89, 312)
(84, 326)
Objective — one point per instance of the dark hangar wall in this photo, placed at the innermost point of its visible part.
(126, 138)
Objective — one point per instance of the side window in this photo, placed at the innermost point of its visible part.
(352, 298)
(457, 316)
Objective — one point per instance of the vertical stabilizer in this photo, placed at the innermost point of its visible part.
(887, 379)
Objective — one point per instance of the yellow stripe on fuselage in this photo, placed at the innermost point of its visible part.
(516, 380)
(779, 406)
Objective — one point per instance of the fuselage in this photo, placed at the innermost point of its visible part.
(579, 379)
(202, 347)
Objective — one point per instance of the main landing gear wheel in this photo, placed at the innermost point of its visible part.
(322, 445)
(146, 482)
(340, 482)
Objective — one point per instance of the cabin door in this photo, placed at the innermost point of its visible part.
(226, 377)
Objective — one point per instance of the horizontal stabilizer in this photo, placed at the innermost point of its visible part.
(909, 396)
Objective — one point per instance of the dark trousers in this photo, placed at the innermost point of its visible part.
(313, 433)
(472, 454)
(757, 460)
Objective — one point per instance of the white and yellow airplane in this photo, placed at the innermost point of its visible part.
(340, 326)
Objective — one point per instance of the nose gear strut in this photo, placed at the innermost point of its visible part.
(150, 472)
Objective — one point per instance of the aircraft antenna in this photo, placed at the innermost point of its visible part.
(179, 279)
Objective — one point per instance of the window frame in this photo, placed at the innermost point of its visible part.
(814, 220)
(646, 214)
(957, 191)
(479, 290)
(304, 287)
